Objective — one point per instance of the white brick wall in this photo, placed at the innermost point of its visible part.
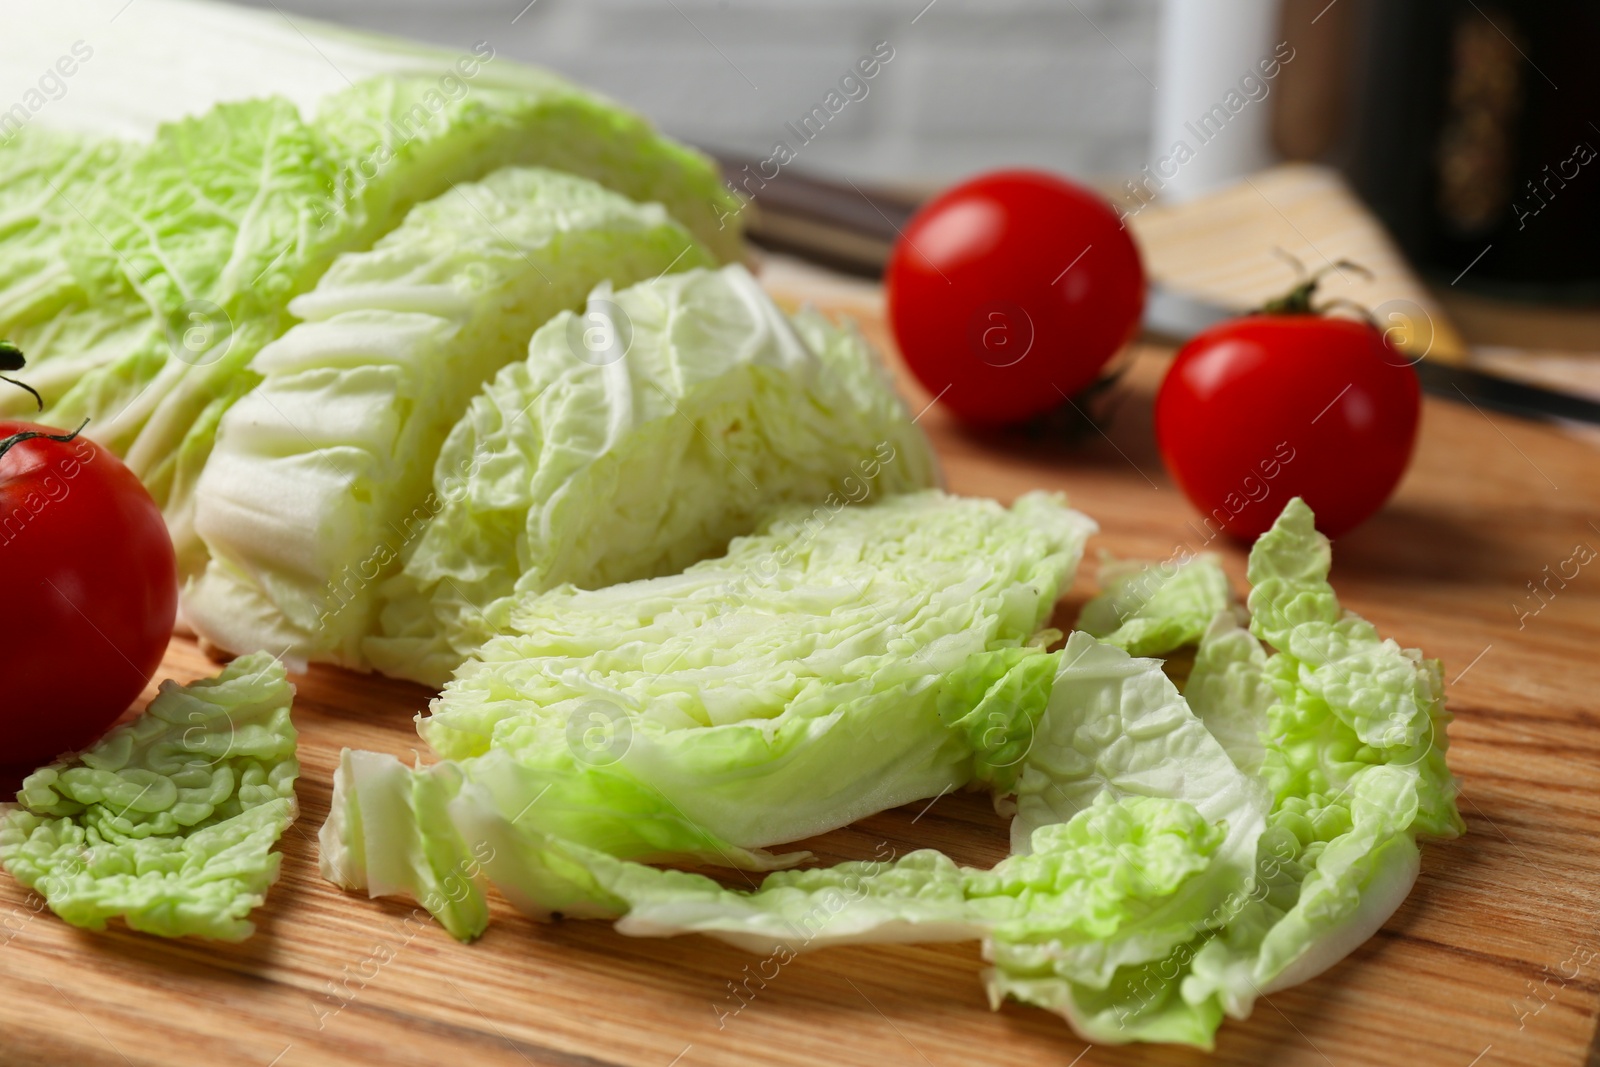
(973, 84)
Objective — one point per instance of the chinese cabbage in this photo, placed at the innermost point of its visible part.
(166, 266)
(319, 477)
(602, 467)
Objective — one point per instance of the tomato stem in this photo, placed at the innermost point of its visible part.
(7, 443)
(11, 358)
(1297, 301)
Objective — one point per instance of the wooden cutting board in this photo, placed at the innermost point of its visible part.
(1494, 959)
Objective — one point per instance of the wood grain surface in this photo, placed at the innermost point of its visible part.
(1494, 959)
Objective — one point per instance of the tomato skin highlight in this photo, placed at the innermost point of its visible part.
(1257, 410)
(90, 585)
(1008, 293)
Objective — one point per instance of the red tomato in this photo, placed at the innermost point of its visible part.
(90, 587)
(1261, 409)
(1009, 292)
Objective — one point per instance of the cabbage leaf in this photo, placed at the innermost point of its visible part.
(1346, 731)
(1150, 609)
(168, 822)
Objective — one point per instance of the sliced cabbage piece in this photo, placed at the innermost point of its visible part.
(789, 687)
(395, 831)
(169, 821)
(319, 478)
(1083, 880)
(634, 440)
(1154, 835)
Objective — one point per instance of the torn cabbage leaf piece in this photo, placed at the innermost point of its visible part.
(635, 439)
(1348, 699)
(319, 477)
(1348, 731)
(791, 686)
(1154, 608)
(1118, 723)
(168, 265)
(169, 821)
(1227, 688)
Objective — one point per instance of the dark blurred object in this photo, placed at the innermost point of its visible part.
(1310, 117)
(1476, 142)
(835, 224)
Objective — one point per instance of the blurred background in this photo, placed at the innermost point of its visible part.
(1463, 124)
(971, 83)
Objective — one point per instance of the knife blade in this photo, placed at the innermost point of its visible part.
(851, 227)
